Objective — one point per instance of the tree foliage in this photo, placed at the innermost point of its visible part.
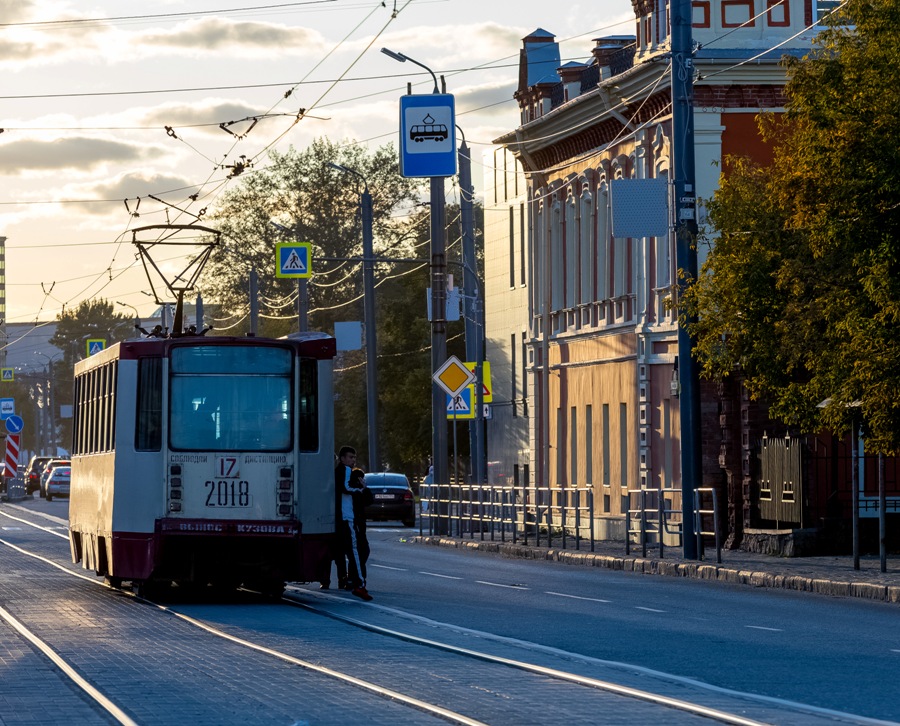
(802, 287)
(74, 327)
(303, 193)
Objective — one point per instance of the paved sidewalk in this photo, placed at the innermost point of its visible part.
(827, 575)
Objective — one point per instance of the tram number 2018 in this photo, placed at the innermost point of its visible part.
(227, 493)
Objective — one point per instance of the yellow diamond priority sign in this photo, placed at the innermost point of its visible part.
(453, 376)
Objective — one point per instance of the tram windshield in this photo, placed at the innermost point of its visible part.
(230, 398)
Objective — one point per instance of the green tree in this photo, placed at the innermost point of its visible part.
(802, 287)
(74, 327)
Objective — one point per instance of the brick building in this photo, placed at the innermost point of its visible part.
(579, 332)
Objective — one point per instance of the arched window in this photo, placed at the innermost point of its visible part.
(571, 261)
(586, 239)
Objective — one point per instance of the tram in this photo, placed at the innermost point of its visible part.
(205, 461)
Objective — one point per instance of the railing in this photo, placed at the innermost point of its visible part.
(638, 519)
(701, 515)
(531, 513)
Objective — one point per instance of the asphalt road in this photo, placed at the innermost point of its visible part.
(836, 653)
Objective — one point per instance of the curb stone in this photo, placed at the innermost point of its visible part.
(673, 568)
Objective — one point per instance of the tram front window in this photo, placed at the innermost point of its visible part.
(230, 399)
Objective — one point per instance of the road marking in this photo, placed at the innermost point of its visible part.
(576, 597)
(385, 567)
(760, 627)
(894, 650)
(497, 584)
(649, 610)
(435, 574)
(11, 529)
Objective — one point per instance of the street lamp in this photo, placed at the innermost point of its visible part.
(137, 318)
(365, 203)
(438, 307)
(50, 427)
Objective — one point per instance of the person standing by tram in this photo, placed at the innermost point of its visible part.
(352, 542)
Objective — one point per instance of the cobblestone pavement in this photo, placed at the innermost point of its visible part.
(826, 575)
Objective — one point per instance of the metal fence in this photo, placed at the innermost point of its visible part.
(530, 514)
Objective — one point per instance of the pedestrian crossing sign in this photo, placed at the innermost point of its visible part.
(460, 406)
(292, 259)
(7, 375)
(95, 345)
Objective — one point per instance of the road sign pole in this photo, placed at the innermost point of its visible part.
(438, 333)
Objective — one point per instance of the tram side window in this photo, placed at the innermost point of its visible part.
(95, 410)
(308, 407)
(148, 432)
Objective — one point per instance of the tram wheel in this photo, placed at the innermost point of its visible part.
(114, 582)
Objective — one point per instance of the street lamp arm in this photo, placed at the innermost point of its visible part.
(403, 58)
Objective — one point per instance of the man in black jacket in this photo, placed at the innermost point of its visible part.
(350, 521)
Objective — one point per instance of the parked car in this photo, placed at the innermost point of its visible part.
(392, 498)
(57, 484)
(33, 473)
(48, 469)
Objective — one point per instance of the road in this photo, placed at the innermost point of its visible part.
(830, 653)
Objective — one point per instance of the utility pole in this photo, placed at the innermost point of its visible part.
(254, 302)
(473, 308)
(682, 72)
(367, 217)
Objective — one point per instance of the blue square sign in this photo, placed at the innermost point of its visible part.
(427, 135)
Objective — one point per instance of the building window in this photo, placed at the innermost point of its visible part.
(573, 447)
(557, 257)
(823, 7)
(512, 247)
(588, 445)
(524, 374)
(572, 263)
(512, 373)
(623, 444)
(603, 250)
(606, 442)
(586, 238)
(522, 279)
(779, 13)
(737, 13)
(560, 447)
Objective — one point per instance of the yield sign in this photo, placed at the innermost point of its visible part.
(453, 376)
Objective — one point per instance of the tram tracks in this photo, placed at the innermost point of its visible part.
(491, 668)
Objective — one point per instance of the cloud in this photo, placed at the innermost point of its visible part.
(216, 34)
(131, 186)
(209, 111)
(25, 47)
(75, 152)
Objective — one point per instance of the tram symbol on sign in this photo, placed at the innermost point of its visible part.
(428, 130)
(7, 407)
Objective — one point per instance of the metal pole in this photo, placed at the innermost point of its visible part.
(198, 313)
(882, 519)
(854, 497)
(686, 258)
(473, 329)
(302, 304)
(254, 303)
(438, 333)
(371, 349)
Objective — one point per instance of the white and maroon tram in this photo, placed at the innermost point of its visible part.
(205, 461)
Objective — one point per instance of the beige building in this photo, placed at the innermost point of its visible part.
(580, 332)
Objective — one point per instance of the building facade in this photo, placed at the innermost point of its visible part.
(580, 328)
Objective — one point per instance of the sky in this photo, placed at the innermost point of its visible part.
(103, 102)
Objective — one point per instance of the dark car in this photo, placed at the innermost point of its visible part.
(58, 482)
(392, 498)
(33, 472)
